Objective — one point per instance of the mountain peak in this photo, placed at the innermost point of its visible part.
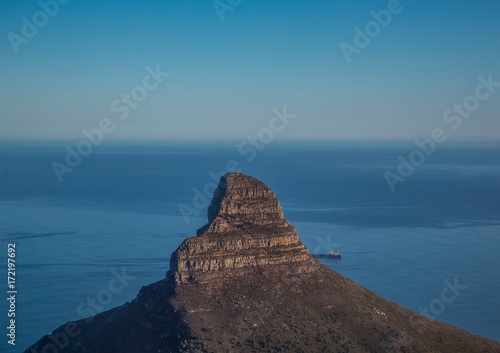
(245, 229)
(246, 283)
(241, 199)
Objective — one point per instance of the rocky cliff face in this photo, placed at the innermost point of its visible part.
(246, 229)
(246, 283)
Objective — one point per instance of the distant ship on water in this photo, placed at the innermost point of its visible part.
(332, 255)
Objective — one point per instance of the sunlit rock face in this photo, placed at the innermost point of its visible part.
(246, 228)
(247, 284)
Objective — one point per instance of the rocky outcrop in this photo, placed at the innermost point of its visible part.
(246, 283)
(246, 229)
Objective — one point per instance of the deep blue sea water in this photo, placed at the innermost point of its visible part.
(119, 211)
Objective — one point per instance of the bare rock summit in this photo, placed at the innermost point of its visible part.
(246, 230)
(246, 283)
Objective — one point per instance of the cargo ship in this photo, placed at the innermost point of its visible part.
(332, 255)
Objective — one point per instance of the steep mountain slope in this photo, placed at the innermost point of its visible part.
(246, 283)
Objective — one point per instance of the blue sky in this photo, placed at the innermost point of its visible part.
(227, 76)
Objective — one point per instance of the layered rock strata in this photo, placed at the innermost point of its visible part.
(246, 284)
(246, 228)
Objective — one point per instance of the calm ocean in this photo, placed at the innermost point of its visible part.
(117, 215)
